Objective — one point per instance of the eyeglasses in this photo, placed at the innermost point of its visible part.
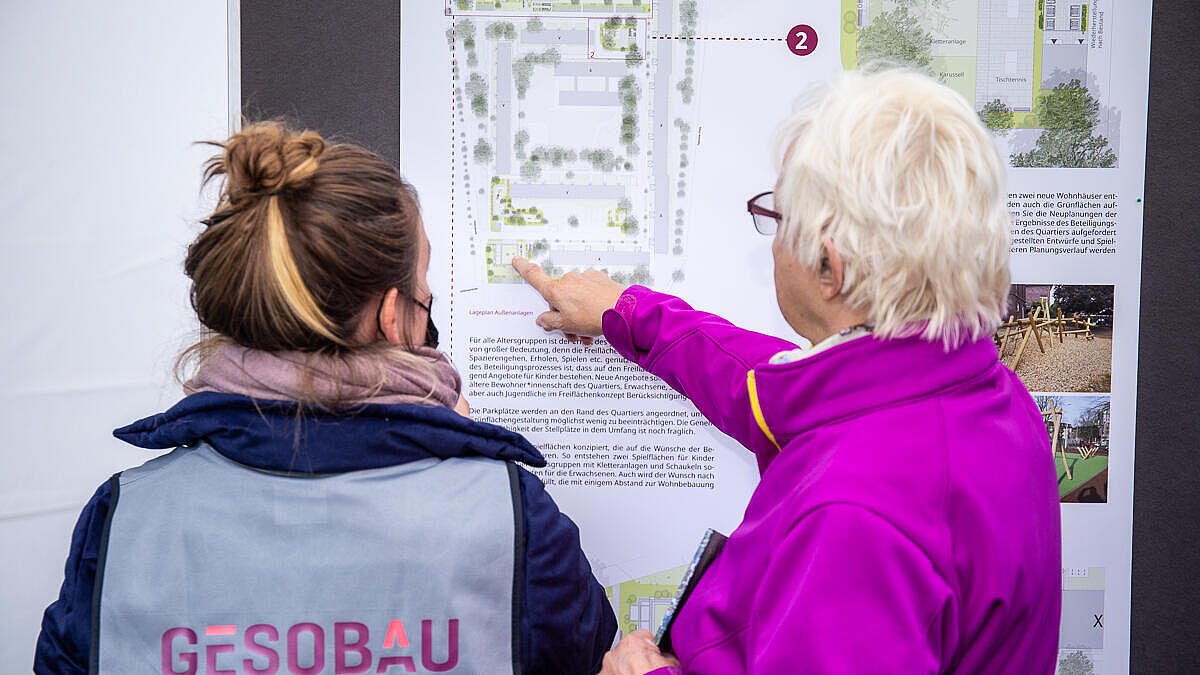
(762, 210)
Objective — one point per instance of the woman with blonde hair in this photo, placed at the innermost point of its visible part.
(907, 518)
(327, 507)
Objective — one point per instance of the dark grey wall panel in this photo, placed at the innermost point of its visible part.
(1166, 490)
(329, 66)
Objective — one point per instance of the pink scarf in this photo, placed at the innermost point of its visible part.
(423, 375)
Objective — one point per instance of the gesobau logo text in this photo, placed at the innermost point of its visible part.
(302, 649)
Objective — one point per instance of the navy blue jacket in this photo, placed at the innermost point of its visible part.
(565, 621)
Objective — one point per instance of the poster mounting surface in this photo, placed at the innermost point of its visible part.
(627, 136)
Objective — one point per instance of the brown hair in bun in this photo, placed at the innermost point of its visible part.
(305, 235)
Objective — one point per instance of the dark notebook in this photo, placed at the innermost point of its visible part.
(706, 553)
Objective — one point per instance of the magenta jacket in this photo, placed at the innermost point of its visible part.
(907, 519)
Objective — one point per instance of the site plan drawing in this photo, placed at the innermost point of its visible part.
(573, 131)
(643, 603)
(1038, 71)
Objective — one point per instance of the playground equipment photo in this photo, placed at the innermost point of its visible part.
(1078, 427)
(1055, 349)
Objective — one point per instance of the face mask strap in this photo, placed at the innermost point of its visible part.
(431, 331)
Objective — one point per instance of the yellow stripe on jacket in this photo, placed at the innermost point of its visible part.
(757, 409)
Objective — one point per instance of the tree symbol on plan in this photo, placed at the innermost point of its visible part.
(1068, 116)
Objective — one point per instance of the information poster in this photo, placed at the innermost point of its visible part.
(627, 136)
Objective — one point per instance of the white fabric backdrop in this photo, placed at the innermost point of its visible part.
(99, 195)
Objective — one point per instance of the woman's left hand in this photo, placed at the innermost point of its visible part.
(636, 654)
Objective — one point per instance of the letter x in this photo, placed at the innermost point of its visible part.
(1099, 618)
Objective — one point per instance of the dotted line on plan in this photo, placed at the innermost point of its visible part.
(717, 38)
(453, 144)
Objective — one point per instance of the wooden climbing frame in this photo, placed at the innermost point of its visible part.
(1055, 415)
(1038, 321)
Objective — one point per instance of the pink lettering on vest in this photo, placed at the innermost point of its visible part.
(405, 662)
(427, 647)
(210, 659)
(343, 648)
(259, 649)
(293, 647)
(395, 636)
(190, 660)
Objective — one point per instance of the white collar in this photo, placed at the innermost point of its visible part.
(840, 337)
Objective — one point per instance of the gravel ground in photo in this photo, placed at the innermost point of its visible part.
(1074, 365)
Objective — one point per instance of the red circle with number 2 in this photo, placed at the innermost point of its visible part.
(802, 40)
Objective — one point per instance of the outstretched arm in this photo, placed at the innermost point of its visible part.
(700, 355)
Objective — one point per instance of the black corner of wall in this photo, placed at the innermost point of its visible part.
(1166, 493)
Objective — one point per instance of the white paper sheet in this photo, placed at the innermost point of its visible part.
(629, 136)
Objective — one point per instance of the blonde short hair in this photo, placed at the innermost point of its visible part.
(896, 170)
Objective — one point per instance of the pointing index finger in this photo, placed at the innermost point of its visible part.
(532, 274)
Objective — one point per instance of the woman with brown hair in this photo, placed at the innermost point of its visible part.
(328, 506)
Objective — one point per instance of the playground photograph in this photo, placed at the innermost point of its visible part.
(1058, 337)
(1078, 429)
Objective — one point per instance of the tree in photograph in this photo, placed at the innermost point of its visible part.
(1068, 116)
(535, 24)
(1084, 299)
(997, 116)
(897, 37)
(1096, 414)
(633, 56)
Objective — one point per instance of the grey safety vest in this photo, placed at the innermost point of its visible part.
(209, 566)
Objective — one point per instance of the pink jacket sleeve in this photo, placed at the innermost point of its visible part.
(847, 592)
(700, 355)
